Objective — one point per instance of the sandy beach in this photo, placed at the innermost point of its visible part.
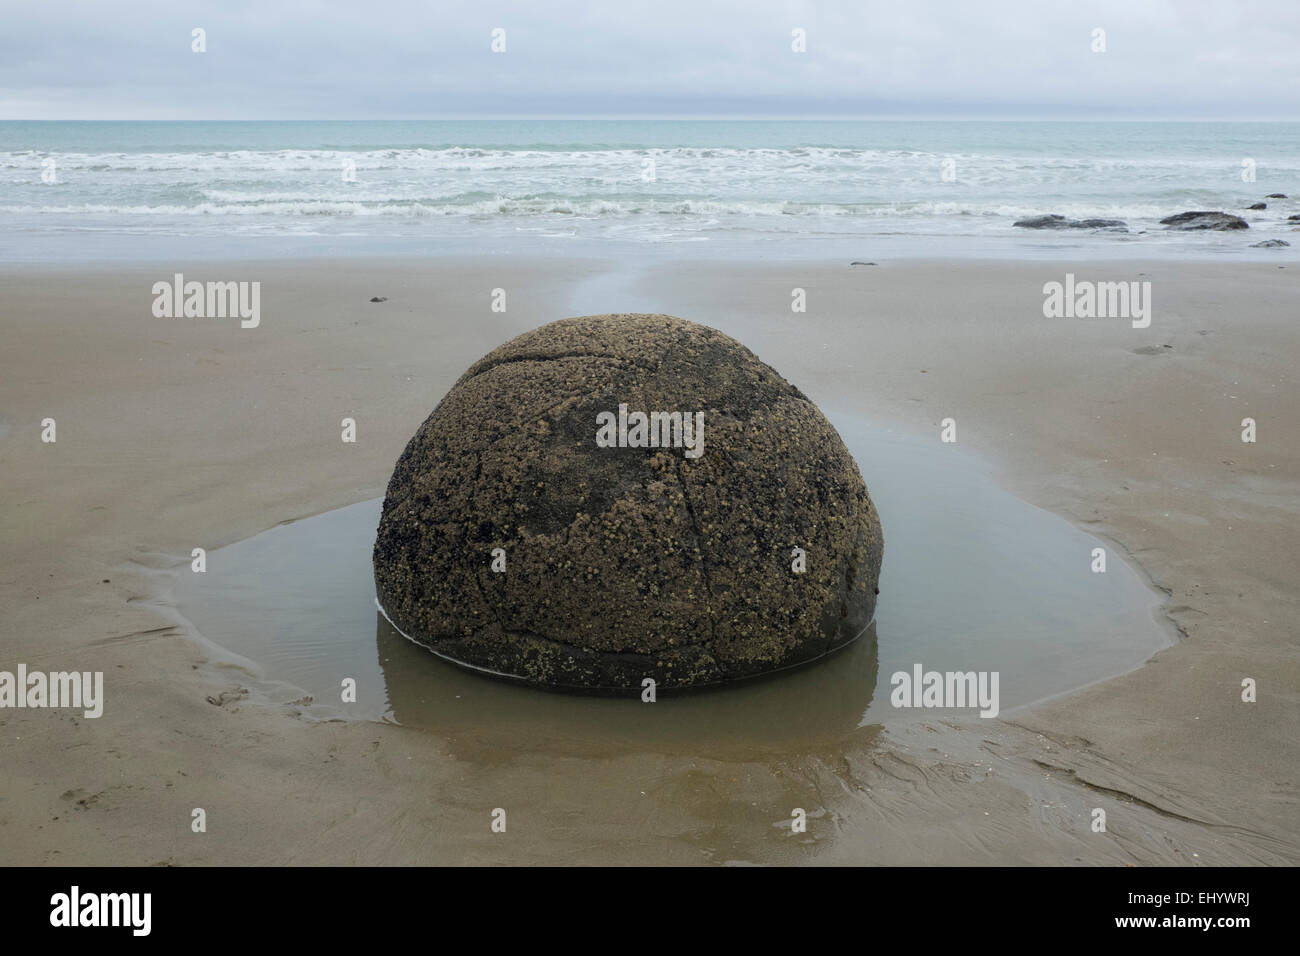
(181, 433)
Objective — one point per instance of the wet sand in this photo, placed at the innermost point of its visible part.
(174, 434)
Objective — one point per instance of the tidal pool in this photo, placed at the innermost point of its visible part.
(974, 579)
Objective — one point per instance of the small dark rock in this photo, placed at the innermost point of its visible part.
(1042, 222)
(1276, 196)
(1217, 221)
(380, 298)
(1270, 244)
(1054, 221)
(1295, 218)
(862, 263)
(1258, 205)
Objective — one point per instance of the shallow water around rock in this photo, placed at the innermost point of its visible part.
(974, 579)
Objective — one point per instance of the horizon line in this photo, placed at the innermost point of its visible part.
(672, 117)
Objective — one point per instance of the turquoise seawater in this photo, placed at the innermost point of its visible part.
(114, 189)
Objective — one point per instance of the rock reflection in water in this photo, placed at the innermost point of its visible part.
(817, 703)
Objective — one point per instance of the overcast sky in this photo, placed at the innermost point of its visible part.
(377, 59)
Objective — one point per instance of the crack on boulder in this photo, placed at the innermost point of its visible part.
(704, 555)
(555, 357)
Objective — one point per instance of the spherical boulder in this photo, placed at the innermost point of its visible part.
(613, 498)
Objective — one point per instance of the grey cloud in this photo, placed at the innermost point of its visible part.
(398, 58)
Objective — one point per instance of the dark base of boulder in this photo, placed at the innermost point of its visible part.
(539, 662)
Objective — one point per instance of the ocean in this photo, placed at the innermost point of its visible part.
(113, 190)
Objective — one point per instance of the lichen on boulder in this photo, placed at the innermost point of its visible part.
(515, 542)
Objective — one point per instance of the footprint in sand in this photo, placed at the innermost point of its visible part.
(228, 696)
